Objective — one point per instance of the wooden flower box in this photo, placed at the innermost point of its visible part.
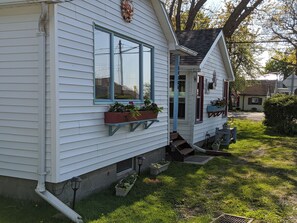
(215, 110)
(125, 185)
(157, 168)
(119, 117)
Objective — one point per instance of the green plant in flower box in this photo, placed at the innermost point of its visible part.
(159, 167)
(125, 185)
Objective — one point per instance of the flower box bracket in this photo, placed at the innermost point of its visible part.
(214, 111)
(114, 127)
(214, 114)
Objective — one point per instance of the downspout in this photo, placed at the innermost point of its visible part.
(40, 188)
(175, 101)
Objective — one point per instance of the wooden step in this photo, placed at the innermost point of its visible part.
(186, 151)
(177, 143)
(174, 135)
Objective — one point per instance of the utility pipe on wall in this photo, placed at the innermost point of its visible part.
(41, 189)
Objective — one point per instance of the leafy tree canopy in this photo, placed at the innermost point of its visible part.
(281, 62)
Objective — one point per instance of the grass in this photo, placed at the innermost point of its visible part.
(259, 181)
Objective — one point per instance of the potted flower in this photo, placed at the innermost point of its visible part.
(218, 102)
(159, 167)
(217, 105)
(125, 185)
(119, 112)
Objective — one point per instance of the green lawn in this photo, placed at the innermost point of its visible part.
(259, 181)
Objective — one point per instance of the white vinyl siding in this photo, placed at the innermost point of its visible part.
(19, 130)
(188, 128)
(245, 106)
(214, 63)
(84, 142)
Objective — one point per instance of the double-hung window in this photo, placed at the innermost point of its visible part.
(123, 67)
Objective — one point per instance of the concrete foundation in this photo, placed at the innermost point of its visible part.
(91, 182)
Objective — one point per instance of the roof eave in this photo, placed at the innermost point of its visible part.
(183, 51)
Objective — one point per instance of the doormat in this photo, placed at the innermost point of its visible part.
(226, 218)
(200, 160)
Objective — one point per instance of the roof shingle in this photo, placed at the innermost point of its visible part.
(199, 41)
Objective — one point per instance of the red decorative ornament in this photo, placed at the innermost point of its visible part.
(127, 10)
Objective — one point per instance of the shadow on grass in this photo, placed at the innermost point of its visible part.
(247, 184)
(167, 190)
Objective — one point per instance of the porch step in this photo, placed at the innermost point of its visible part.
(186, 151)
(177, 143)
(179, 148)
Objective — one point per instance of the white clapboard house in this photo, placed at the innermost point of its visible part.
(60, 65)
(203, 79)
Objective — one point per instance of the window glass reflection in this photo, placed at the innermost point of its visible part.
(147, 72)
(102, 65)
(126, 69)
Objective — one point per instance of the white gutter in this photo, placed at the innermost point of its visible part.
(185, 51)
(40, 188)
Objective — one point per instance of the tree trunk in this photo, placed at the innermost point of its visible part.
(296, 61)
(238, 15)
(193, 12)
(233, 17)
(171, 9)
(177, 17)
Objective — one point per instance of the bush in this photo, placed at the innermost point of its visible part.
(281, 113)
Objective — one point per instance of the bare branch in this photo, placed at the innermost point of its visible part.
(239, 14)
(171, 9)
(193, 12)
(177, 17)
(289, 64)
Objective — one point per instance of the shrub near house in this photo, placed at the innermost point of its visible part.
(281, 113)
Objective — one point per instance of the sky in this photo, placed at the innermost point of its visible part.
(214, 3)
(217, 4)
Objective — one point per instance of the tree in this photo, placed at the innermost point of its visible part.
(241, 46)
(239, 14)
(281, 62)
(283, 24)
(184, 13)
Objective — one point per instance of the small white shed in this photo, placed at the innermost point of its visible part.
(202, 78)
(59, 65)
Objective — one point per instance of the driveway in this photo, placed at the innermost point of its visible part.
(255, 116)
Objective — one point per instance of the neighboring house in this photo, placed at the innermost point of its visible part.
(202, 79)
(253, 97)
(55, 62)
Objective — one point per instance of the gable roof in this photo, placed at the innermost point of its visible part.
(260, 88)
(203, 42)
(198, 40)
